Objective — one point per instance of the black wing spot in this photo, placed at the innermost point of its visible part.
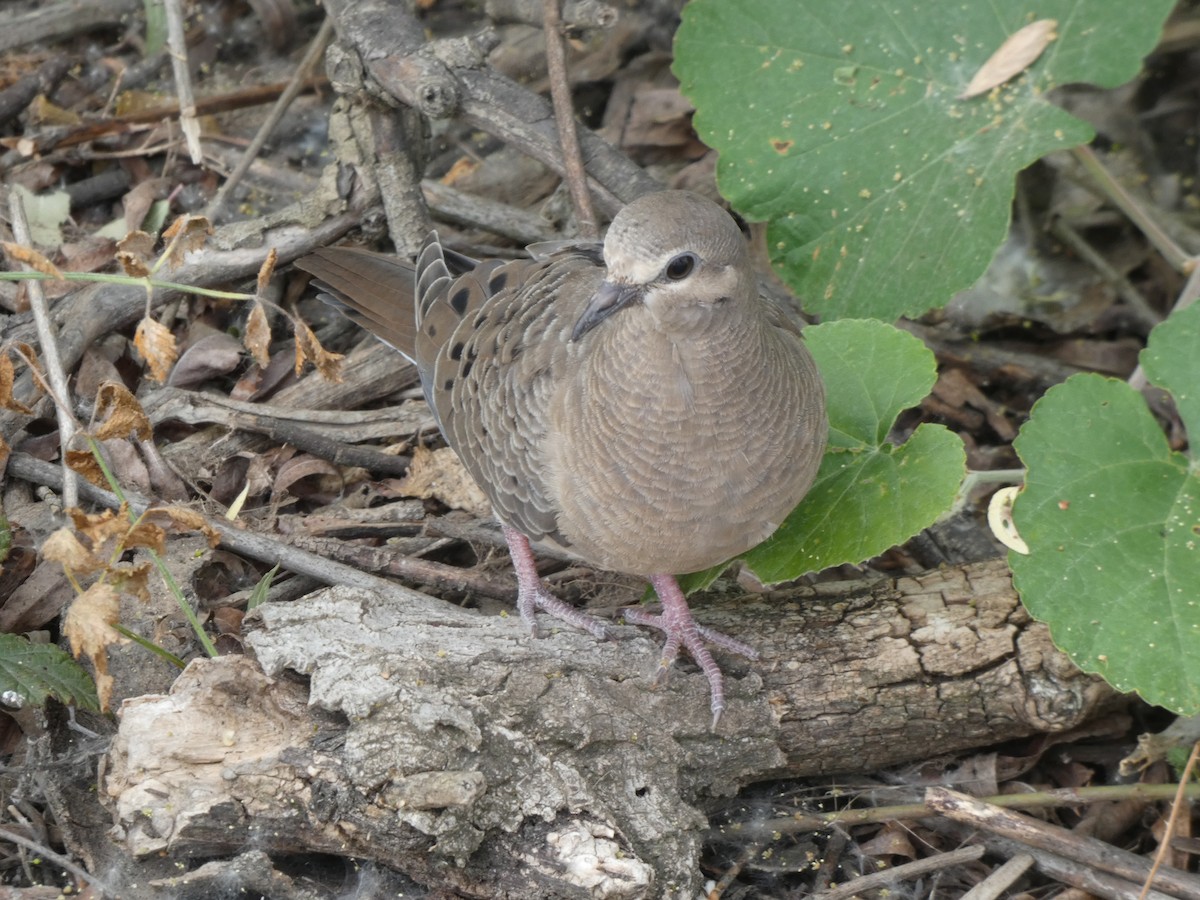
(431, 330)
(458, 301)
(456, 351)
(480, 321)
(466, 368)
(448, 384)
(499, 280)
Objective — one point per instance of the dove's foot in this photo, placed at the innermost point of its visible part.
(683, 632)
(533, 595)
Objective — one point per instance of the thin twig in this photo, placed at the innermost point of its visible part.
(1068, 871)
(1001, 879)
(564, 115)
(873, 815)
(1033, 833)
(293, 89)
(900, 873)
(54, 368)
(177, 43)
(57, 859)
(1125, 289)
(1113, 189)
(1176, 805)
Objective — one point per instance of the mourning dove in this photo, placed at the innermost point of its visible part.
(636, 404)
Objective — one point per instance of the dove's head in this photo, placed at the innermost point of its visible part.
(679, 256)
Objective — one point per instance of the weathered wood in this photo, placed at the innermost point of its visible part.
(549, 767)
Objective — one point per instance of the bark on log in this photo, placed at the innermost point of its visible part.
(547, 767)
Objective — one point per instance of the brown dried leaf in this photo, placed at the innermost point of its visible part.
(88, 626)
(138, 200)
(258, 334)
(63, 546)
(105, 530)
(7, 380)
(1013, 57)
(892, 840)
(325, 476)
(192, 232)
(132, 580)
(440, 474)
(135, 253)
(146, 534)
(213, 354)
(82, 462)
(266, 270)
(157, 346)
(309, 349)
(5, 452)
(121, 413)
(180, 519)
(31, 258)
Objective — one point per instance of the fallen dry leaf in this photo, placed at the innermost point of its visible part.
(7, 380)
(82, 462)
(266, 270)
(1013, 57)
(104, 530)
(180, 520)
(88, 626)
(257, 338)
(64, 547)
(185, 234)
(214, 354)
(135, 253)
(309, 349)
(441, 475)
(125, 416)
(325, 477)
(157, 346)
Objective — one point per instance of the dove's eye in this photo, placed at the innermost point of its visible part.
(681, 266)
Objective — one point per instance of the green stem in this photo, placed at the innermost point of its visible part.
(189, 613)
(151, 646)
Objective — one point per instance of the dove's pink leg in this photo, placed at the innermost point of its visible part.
(683, 631)
(532, 593)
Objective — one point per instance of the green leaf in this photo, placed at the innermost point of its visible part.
(1112, 519)
(839, 124)
(869, 494)
(37, 671)
(258, 596)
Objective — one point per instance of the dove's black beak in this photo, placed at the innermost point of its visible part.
(609, 298)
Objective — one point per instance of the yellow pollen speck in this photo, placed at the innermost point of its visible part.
(865, 194)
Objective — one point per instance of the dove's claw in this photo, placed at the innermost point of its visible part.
(533, 595)
(683, 633)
